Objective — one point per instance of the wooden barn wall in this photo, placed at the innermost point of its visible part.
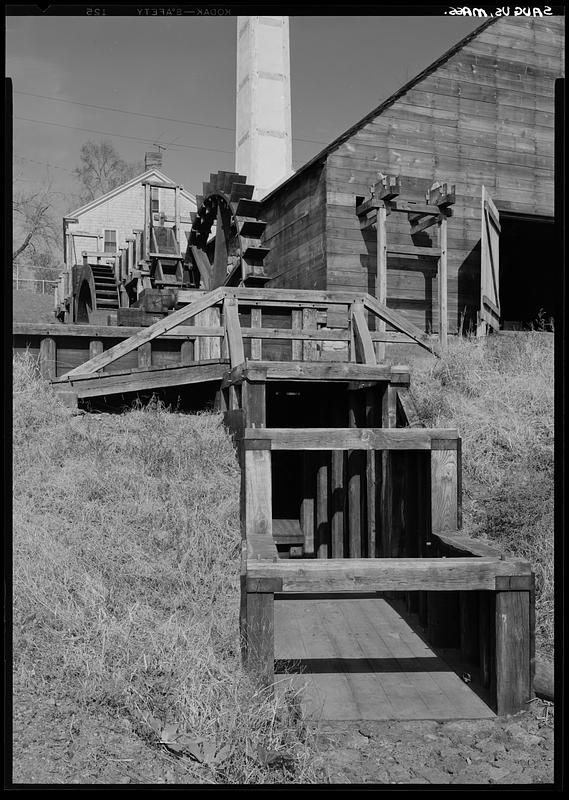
(486, 116)
(296, 222)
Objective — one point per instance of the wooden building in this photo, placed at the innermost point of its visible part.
(482, 117)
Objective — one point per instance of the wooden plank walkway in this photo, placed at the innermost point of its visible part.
(357, 658)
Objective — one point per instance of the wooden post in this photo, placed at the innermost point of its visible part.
(95, 347)
(513, 645)
(255, 404)
(443, 308)
(322, 521)
(260, 635)
(256, 344)
(381, 277)
(233, 335)
(144, 355)
(48, 358)
(307, 510)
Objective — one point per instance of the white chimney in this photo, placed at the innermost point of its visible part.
(263, 146)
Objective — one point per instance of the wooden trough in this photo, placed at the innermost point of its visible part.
(346, 499)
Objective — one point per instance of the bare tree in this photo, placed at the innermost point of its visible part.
(101, 169)
(35, 227)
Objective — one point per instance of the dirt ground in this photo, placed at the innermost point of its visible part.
(55, 743)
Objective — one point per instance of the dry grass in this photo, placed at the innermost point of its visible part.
(126, 559)
(499, 393)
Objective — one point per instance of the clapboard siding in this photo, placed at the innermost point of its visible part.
(295, 233)
(485, 116)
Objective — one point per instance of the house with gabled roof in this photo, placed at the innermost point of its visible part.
(483, 118)
(110, 221)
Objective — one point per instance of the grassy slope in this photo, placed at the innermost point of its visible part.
(126, 581)
(499, 393)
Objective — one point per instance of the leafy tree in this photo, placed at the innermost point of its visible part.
(101, 169)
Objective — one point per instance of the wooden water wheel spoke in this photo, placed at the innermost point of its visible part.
(230, 253)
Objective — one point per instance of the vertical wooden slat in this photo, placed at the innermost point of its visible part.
(256, 344)
(459, 483)
(356, 471)
(48, 358)
(337, 492)
(296, 322)
(322, 514)
(469, 632)
(146, 221)
(187, 352)
(372, 399)
(388, 420)
(144, 355)
(486, 639)
(381, 277)
(444, 491)
(307, 502)
(512, 651)
(309, 323)
(443, 304)
(443, 619)
(95, 347)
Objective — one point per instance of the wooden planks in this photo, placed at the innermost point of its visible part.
(444, 487)
(357, 659)
(513, 652)
(258, 503)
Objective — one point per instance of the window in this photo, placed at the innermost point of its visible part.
(154, 200)
(110, 241)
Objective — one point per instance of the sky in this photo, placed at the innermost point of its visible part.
(172, 81)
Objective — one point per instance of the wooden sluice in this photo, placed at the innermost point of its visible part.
(355, 572)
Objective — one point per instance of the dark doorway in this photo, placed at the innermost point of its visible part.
(528, 267)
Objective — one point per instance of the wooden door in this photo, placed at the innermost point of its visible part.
(489, 266)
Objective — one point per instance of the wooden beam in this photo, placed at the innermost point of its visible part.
(260, 635)
(233, 331)
(319, 371)
(296, 322)
(95, 347)
(398, 322)
(364, 344)
(143, 380)
(386, 574)
(352, 439)
(147, 334)
(413, 250)
(337, 493)
(381, 277)
(144, 355)
(309, 322)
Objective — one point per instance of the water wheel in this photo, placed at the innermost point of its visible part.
(97, 291)
(224, 244)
